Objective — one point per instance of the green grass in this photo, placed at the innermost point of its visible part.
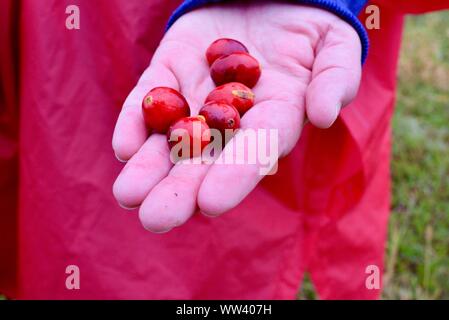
(417, 253)
(417, 258)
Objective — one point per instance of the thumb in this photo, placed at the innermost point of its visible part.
(335, 75)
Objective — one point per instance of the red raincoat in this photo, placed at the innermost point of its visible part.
(61, 91)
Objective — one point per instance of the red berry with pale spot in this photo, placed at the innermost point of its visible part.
(221, 116)
(223, 47)
(163, 106)
(192, 134)
(236, 94)
(236, 67)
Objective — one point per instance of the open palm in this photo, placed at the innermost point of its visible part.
(310, 63)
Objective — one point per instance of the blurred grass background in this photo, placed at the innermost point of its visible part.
(417, 253)
(417, 260)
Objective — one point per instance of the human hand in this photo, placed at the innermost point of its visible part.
(311, 65)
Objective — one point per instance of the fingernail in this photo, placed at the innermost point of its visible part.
(337, 110)
(208, 215)
(118, 158)
(126, 208)
(160, 232)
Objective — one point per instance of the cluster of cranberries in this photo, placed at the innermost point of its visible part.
(234, 71)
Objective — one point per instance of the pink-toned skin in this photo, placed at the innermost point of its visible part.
(311, 68)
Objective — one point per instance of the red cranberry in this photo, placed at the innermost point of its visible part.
(192, 133)
(223, 47)
(221, 116)
(236, 67)
(235, 94)
(162, 106)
